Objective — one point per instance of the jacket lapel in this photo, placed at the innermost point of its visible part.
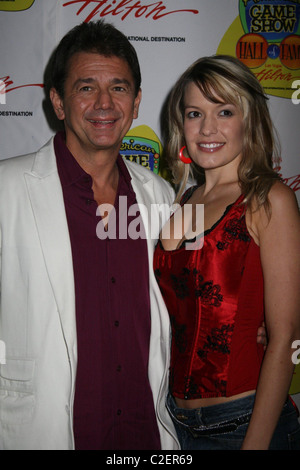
(144, 191)
(48, 207)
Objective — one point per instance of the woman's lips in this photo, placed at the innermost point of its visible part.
(210, 146)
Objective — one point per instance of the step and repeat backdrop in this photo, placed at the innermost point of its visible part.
(168, 36)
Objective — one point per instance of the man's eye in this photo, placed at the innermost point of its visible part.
(85, 88)
(119, 88)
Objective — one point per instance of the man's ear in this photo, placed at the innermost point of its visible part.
(137, 102)
(57, 104)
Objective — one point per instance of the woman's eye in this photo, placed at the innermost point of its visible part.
(226, 112)
(193, 114)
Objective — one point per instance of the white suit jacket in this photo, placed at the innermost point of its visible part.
(37, 309)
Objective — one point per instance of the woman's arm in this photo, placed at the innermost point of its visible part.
(279, 240)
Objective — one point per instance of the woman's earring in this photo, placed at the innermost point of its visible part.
(182, 157)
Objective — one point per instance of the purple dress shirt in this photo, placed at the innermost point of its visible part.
(113, 407)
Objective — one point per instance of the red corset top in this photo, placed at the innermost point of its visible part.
(214, 296)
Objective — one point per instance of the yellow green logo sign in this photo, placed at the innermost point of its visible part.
(141, 145)
(15, 5)
(266, 37)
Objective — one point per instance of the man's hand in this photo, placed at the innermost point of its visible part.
(262, 335)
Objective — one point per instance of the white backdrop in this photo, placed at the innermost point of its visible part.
(168, 36)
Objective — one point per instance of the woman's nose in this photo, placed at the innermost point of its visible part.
(208, 125)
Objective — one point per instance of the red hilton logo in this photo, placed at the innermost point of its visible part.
(5, 87)
(2, 93)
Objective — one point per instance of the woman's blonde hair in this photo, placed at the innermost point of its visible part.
(225, 78)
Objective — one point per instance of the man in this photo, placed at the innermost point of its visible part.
(84, 325)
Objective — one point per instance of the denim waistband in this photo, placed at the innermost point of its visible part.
(224, 417)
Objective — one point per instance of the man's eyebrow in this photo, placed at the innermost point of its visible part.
(120, 81)
(114, 81)
(80, 81)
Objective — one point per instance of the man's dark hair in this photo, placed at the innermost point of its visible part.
(96, 37)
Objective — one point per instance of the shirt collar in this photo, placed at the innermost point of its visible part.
(70, 172)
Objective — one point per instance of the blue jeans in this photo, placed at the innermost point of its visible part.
(223, 427)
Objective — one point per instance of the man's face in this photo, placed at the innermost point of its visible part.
(99, 104)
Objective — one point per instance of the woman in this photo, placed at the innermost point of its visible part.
(225, 392)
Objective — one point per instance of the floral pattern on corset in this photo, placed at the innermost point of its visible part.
(180, 283)
(179, 335)
(209, 292)
(219, 340)
(221, 386)
(191, 387)
(234, 229)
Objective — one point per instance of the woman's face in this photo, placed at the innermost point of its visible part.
(214, 132)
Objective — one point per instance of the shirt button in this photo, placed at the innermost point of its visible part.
(119, 412)
(113, 280)
(88, 202)
(117, 323)
(119, 368)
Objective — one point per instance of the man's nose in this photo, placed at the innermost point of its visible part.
(103, 100)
